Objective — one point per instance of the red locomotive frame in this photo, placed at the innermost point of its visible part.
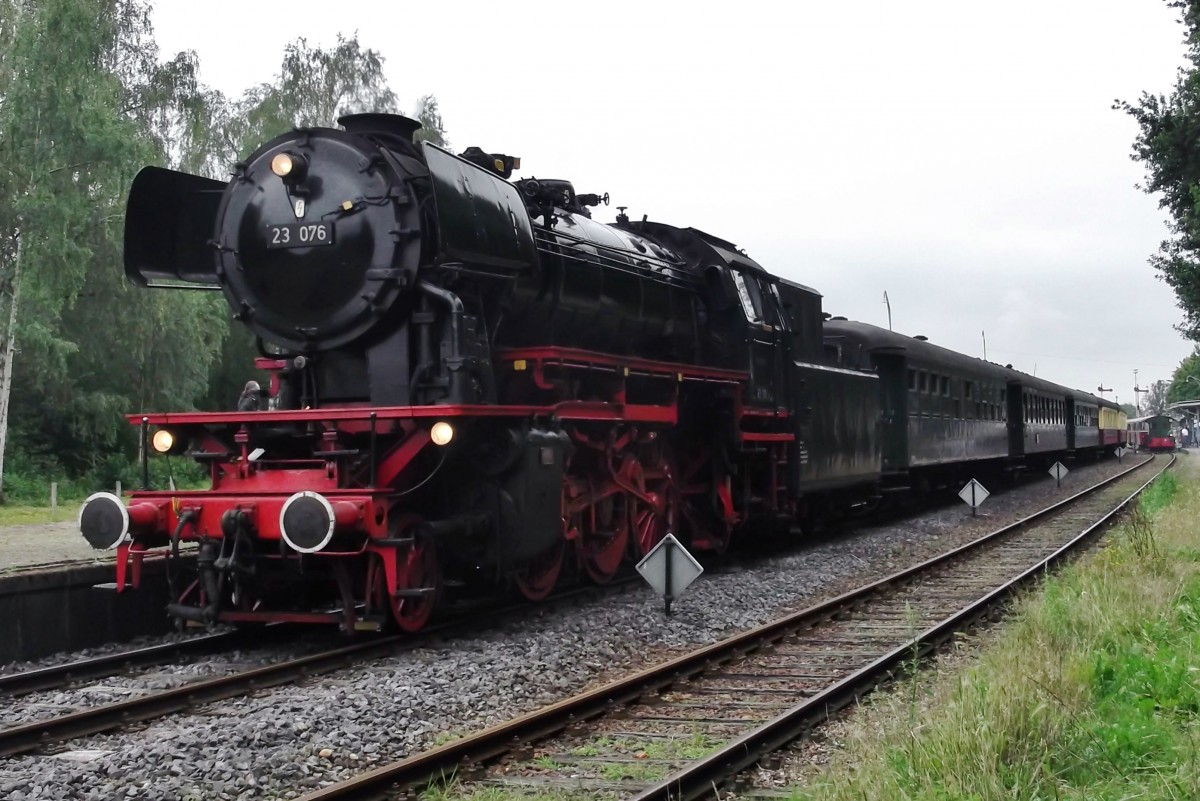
(621, 493)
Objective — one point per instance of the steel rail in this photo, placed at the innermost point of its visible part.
(701, 778)
(27, 737)
(475, 750)
(54, 676)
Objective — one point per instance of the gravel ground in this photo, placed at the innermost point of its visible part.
(66, 657)
(285, 742)
(154, 678)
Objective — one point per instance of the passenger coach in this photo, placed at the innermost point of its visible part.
(942, 409)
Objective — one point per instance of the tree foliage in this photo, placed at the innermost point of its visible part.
(314, 87)
(1185, 382)
(1166, 145)
(430, 117)
(1156, 398)
(67, 152)
(86, 100)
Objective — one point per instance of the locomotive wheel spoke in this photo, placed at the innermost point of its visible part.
(419, 573)
(604, 536)
(537, 579)
(418, 580)
(697, 519)
(651, 521)
(649, 527)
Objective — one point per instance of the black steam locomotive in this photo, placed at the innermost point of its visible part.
(474, 384)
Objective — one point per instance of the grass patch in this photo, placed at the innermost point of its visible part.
(1160, 493)
(452, 792)
(38, 515)
(1092, 692)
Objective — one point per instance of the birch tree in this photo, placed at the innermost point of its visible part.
(71, 139)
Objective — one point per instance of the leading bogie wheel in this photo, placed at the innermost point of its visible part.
(418, 579)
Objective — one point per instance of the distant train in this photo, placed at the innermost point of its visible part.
(1154, 432)
(475, 387)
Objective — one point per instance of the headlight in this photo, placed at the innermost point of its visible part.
(441, 433)
(281, 165)
(163, 440)
(291, 167)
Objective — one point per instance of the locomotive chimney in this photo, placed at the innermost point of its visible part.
(387, 124)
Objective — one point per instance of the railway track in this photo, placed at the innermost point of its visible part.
(59, 676)
(99, 667)
(680, 729)
(40, 734)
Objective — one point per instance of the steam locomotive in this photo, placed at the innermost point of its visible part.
(475, 386)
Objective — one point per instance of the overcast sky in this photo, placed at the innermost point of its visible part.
(964, 157)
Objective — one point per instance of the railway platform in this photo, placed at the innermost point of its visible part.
(56, 594)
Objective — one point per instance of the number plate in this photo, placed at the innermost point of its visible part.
(299, 235)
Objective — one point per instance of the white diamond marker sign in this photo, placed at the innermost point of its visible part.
(1119, 452)
(669, 569)
(1058, 471)
(973, 494)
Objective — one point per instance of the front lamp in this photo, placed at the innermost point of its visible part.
(169, 442)
(282, 165)
(291, 167)
(441, 433)
(163, 440)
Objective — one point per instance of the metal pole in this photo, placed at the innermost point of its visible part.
(974, 506)
(372, 456)
(889, 308)
(668, 592)
(145, 453)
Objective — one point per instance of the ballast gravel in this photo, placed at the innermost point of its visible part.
(292, 740)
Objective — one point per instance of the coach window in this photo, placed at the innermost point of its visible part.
(912, 380)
